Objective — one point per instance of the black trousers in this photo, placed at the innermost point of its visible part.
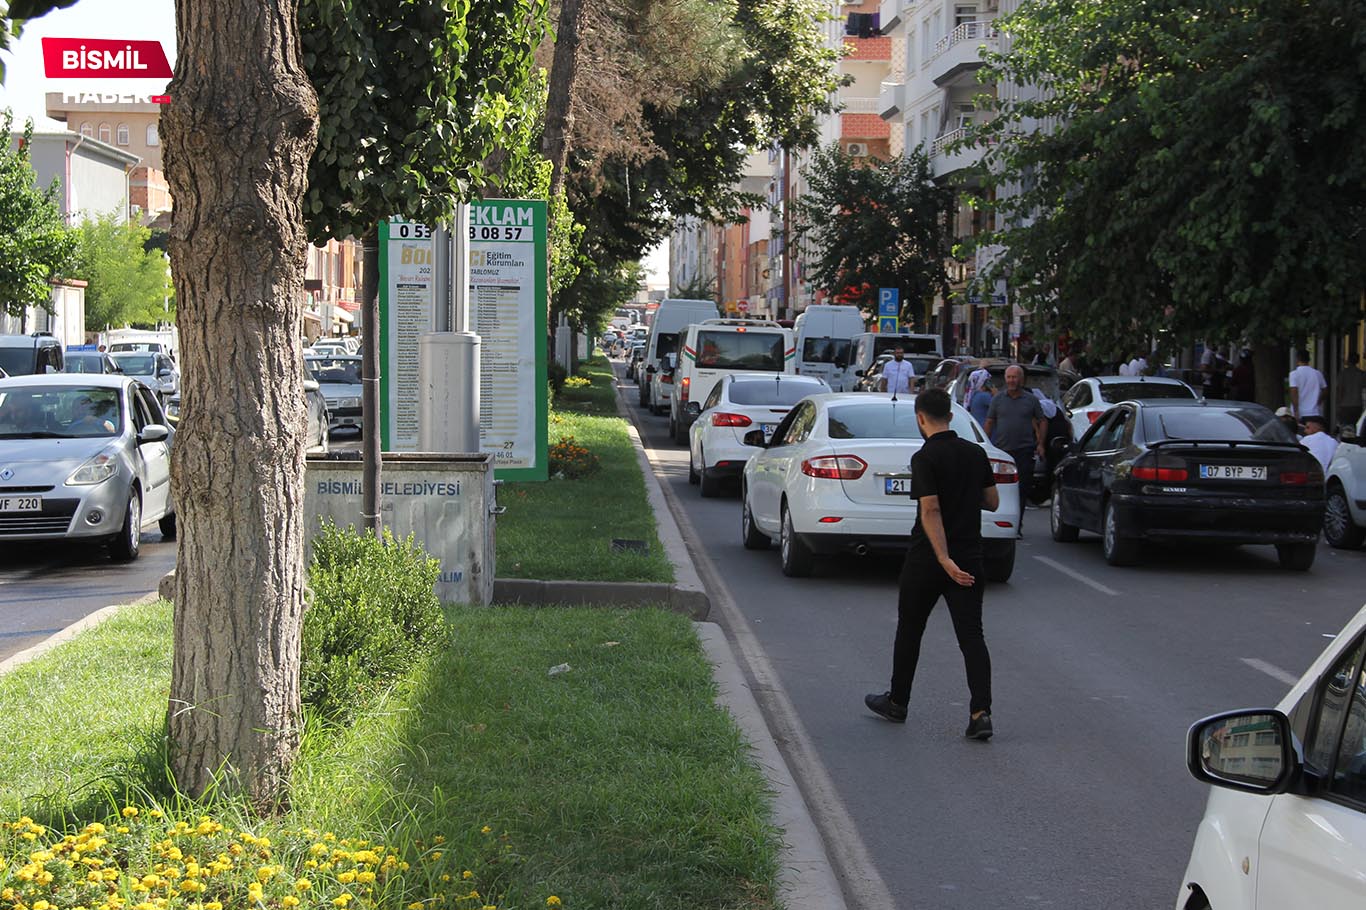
(923, 582)
(1024, 463)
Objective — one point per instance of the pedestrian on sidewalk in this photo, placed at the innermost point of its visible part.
(1307, 386)
(1015, 423)
(952, 481)
(1349, 392)
(898, 374)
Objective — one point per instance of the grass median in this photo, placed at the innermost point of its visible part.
(614, 783)
(563, 529)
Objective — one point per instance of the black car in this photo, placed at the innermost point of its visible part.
(1179, 471)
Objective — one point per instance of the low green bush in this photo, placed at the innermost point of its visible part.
(556, 374)
(373, 614)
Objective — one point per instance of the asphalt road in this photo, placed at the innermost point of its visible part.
(1082, 798)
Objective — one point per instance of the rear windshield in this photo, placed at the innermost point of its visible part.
(826, 350)
(136, 364)
(1249, 422)
(779, 391)
(83, 363)
(740, 350)
(909, 345)
(1115, 392)
(887, 419)
(666, 343)
(335, 370)
(17, 361)
(1045, 381)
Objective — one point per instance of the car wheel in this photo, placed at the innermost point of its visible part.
(750, 535)
(1062, 531)
(1338, 527)
(1297, 557)
(126, 544)
(711, 486)
(797, 558)
(168, 526)
(693, 476)
(1119, 551)
(1000, 562)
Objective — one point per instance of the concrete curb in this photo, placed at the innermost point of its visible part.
(89, 621)
(693, 604)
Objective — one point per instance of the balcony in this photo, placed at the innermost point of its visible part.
(892, 100)
(890, 12)
(959, 52)
(868, 50)
(945, 159)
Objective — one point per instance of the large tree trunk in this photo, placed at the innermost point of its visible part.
(238, 135)
(559, 108)
(1269, 367)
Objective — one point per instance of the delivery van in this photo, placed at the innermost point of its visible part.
(868, 346)
(671, 319)
(717, 347)
(825, 340)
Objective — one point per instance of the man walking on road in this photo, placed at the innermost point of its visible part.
(952, 481)
(1015, 422)
(898, 373)
(1307, 386)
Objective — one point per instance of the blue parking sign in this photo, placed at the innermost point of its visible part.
(888, 324)
(889, 302)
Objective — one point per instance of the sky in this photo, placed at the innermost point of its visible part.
(154, 20)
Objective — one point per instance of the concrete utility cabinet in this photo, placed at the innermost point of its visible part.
(445, 501)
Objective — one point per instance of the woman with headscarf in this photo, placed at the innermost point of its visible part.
(977, 398)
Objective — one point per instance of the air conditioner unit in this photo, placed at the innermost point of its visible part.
(857, 149)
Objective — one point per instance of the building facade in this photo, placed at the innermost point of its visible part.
(93, 177)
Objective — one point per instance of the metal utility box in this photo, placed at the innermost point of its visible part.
(446, 501)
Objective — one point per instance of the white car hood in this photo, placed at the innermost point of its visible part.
(45, 462)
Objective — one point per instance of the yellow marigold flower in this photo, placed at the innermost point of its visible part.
(341, 900)
(439, 839)
(552, 901)
(415, 905)
(130, 811)
(289, 900)
(485, 830)
(235, 849)
(145, 905)
(254, 889)
(122, 829)
(265, 873)
(445, 878)
(95, 828)
(7, 894)
(29, 835)
(403, 867)
(111, 875)
(302, 884)
(467, 874)
(213, 905)
(365, 878)
(318, 849)
(436, 856)
(310, 864)
(347, 877)
(329, 837)
(41, 905)
(189, 886)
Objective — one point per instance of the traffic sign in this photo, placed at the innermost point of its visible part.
(743, 306)
(889, 302)
(888, 324)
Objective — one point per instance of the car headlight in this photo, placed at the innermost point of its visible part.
(173, 408)
(350, 403)
(97, 470)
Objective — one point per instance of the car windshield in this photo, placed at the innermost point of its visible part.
(77, 362)
(1115, 392)
(777, 391)
(909, 345)
(741, 350)
(136, 364)
(826, 350)
(335, 369)
(1045, 381)
(17, 361)
(887, 419)
(59, 412)
(1251, 422)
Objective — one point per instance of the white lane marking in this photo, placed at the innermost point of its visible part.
(1271, 670)
(1072, 573)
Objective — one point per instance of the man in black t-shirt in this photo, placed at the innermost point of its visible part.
(952, 480)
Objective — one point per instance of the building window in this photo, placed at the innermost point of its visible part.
(152, 137)
(963, 14)
(87, 130)
(123, 134)
(104, 132)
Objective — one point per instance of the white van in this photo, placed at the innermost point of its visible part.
(671, 319)
(868, 346)
(720, 347)
(825, 339)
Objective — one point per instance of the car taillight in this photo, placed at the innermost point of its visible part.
(835, 467)
(1302, 478)
(722, 419)
(666, 378)
(1004, 471)
(1093, 416)
(683, 388)
(1164, 469)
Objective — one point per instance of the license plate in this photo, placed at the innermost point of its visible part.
(1233, 472)
(21, 503)
(768, 429)
(898, 486)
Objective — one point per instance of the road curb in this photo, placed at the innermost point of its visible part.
(84, 624)
(807, 879)
(693, 604)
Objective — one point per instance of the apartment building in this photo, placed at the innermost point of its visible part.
(129, 123)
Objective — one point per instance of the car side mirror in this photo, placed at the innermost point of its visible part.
(1058, 447)
(755, 438)
(153, 432)
(1251, 750)
(163, 373)
(858, 372)
(310, 385)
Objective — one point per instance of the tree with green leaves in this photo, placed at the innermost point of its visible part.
(872, 224)
(126, 282)
(35, 246)
(1201, 173)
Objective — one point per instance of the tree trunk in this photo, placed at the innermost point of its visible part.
(237, 138)
(369, 402)
(559, 109)
(1269, 361)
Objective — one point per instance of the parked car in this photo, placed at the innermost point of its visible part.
(717, 450)
(340, 346)
(1285, 824)
(156, 371)
(339, 378)
(27, 355)
(90, 362)
(1344, 517)
(1190, 472)
(634, 361)
(318, 438)
(1087, 399)
(85, 457)
(825, 342)
(835, 478)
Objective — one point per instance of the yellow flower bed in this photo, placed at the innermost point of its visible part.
(142, 860)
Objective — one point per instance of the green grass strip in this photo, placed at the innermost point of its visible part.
(563, 529)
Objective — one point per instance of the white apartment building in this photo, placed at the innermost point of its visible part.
(692, 254)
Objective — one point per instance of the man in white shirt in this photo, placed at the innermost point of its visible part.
(898, 374)
(1307, 386)
(1138, 366)
(1320, 444)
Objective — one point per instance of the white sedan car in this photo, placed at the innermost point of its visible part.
(717, 450)
(1091, 397)
(836, 478)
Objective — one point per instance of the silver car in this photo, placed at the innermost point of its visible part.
(84, 457)
(340, 379)
(157, 371)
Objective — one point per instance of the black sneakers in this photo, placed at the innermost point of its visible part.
(979, 728)
(883, 706)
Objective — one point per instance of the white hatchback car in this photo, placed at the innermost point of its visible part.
(1344, 518)
(739, 403)
(1091, 397)
(1285, 826)
(835, 477)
